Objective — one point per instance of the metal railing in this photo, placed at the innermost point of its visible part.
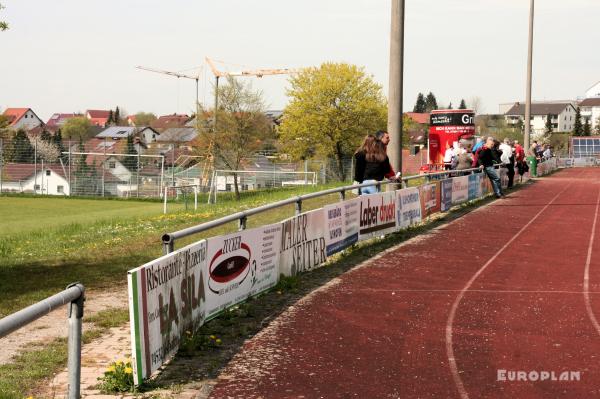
(74, 295)
(169, 239)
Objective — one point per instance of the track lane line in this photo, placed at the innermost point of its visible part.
(449, 324)
(586, 273)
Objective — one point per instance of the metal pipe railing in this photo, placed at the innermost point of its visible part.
(169, 239)
(74, 295)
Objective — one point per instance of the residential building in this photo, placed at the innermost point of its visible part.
(562, 116)
(177, 136)
(51, 179)
(148, 135)
(22, 118)
(56, 121)
(168, 121)
(590, 110)
(593, 91)
(116, 132)
(97, 117)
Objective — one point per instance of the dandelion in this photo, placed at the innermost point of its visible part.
(218, 341)
(111, 369)
(213, 337)
(128, 370)
(119, 363)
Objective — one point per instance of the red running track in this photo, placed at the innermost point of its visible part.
(511, 286)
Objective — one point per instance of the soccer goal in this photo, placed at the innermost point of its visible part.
(181, 194)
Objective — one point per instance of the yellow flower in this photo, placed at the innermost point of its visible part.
(119, 363)
(111, 369)
(218, 341)
(213, 337)
(128, 370)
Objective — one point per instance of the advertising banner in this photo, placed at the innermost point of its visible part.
(446, 195)
(303, 245)
(460, 189)
(430, 198)
(166, 298)
(409, 207)
(474, 186)
(342, 225)
(377, 214)
(240, 265)
(484, 185)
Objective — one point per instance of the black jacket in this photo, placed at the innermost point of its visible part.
(367, 170)
(488, 157)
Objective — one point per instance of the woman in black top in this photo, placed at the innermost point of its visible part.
(372, 164)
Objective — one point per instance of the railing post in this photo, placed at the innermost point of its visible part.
(243, 221)
(342, 195)
(74, 344)
(168, 244)
(298, 206)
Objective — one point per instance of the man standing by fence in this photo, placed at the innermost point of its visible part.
(487, 160)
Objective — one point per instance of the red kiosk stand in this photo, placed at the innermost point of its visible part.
(447, 127)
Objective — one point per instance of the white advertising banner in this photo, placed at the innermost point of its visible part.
(377, 214)
(302, 245)
(240, 265)
(342, 225)
(166, 298)
(408, 202)
(460, 189)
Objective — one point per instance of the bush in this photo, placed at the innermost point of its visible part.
(117, 378)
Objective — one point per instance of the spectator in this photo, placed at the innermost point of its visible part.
(487, 159)
(532, 159)
(478, 144)
(448, 157)
(520, 159)
(372, 164)
(547, 153)
(384, 137)
(464, 161)
(508, 160)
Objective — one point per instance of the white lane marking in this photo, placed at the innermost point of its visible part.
(449, 344)
(586, 274)
(443, 291)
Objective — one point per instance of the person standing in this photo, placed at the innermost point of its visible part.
(372, 164)
(448, 157)
(520, 159)
(384, 137)
(532, 159)
(508, 160)
(487, 159)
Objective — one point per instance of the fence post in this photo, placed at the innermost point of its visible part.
(298, 206)
(70, 186)
(74, 345)
(243, 221)
(342, 195)
(137, 185)
(1, 162)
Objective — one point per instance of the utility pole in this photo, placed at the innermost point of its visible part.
(528, 85)
(396, 85)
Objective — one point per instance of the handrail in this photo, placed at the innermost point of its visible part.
(168, 239)
(74, 295)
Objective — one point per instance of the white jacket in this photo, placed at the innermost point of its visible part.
(506, 153)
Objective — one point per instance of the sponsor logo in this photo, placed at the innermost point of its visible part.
(231, 264)
(535, 375)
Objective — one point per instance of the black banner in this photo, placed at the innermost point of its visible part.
(452, 119)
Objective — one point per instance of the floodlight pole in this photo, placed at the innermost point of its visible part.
(528, 85)
(396, 85)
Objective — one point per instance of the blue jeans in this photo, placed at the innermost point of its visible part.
(369, 189)
(495, 179)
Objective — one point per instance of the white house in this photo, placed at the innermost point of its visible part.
(593, 91)
(31, 178)
(590, 110)
(22, 118)
(562, 116)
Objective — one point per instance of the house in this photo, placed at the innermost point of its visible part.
(147, 135)
(51, 179)
(590, 110)
(131, 120)
(97, 117)
(177, 136)
(168, 121)
(22, 118)
(562, 116)
(419, 131)
(594, 91)
(116, 132)
(56, 121)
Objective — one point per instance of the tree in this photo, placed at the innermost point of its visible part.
(475, 104)
(463, 104)
(331, 109)
(76, 128)
(241, 129)
(577, 127)
(450, 105)
(130, 162)
(548, 127)
(587, 129)
(420, 104)
(598, 126)
(111, 118)
(4, 131)
(144, 118)
(45, 136)
(3, 25)
(58, 142)
(117, 116)
(430, 102)
(20, 149)
(44, 149)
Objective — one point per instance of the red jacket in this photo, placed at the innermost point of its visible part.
(519, 153)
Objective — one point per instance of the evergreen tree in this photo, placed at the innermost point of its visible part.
(420, 104)
(58, 142)
(463, 104)
(450, 105)
(46, 136)
(598, 126)
(117, 116)
(548, 126)
(130, 162)
(578, 127)
(20, 149)
(430, 102)
(587, 129)
(111, 118)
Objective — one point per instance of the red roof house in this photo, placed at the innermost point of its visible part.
(22, 118)
(97, 117)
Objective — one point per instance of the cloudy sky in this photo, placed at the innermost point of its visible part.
(67, 55)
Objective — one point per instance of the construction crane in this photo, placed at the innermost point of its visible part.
(175, 74)
(259, 73)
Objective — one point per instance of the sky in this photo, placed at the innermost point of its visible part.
(69, 56)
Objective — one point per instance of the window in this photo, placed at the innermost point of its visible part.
(36, 187)
(47, 172)
(112, 165)
(60, 189)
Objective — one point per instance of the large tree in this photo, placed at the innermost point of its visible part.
(20, 149)
(463, 104)
(587, 129)
(241, 129)
(548, 127)
(577, 127)
(597, 129)
(430, 102)
(331, 109)
(76, 128)
(130, 161)
(420, 104)
(144, 118)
